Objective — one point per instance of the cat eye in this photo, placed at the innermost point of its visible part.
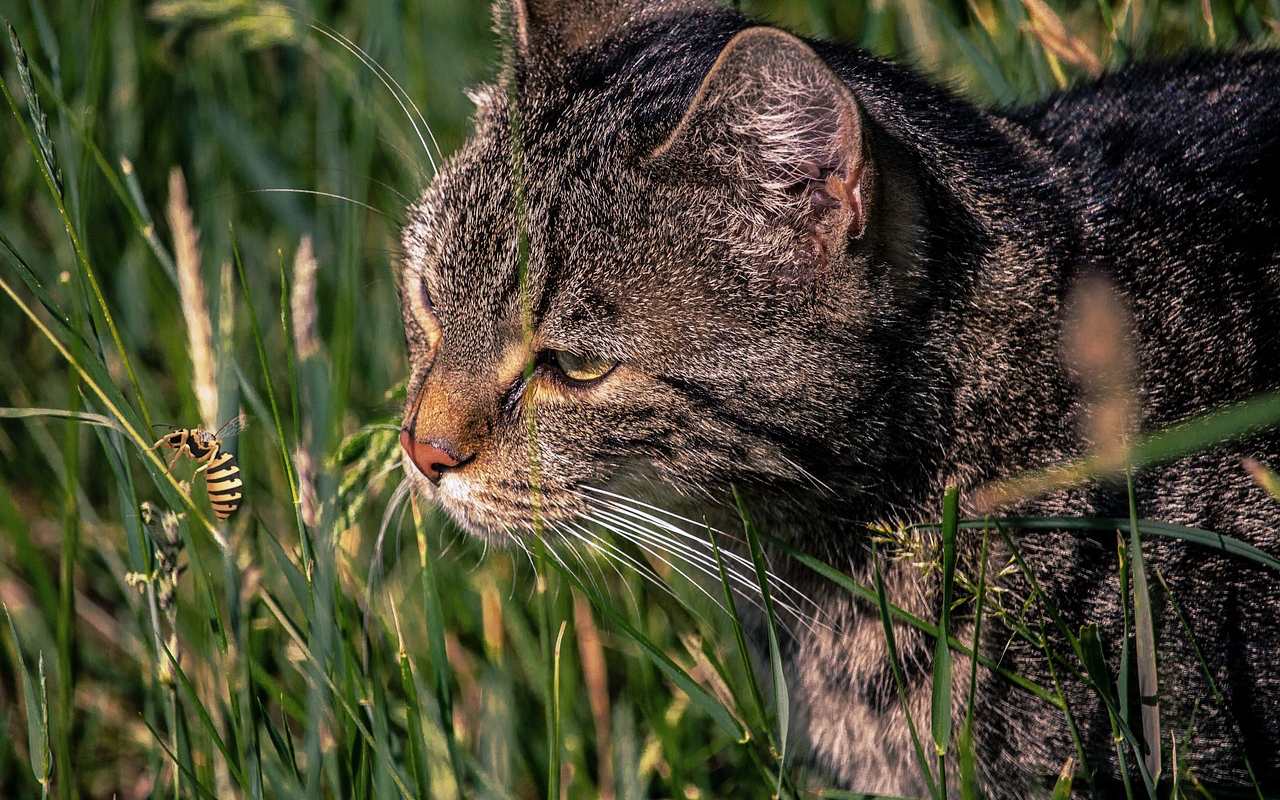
(582, 369)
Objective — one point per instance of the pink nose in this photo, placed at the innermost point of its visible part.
(431, 460)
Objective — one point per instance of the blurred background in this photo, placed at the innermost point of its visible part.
(261, 658)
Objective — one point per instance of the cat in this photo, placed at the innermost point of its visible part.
(684, 252)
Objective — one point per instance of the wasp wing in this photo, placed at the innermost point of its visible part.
(232, 426)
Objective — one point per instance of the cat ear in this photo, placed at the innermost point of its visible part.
(773, 119)
(556, 28)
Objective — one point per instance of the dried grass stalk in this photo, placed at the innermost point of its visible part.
(302, 301)
(186, 247)
(1052, 33)
(1097, 348)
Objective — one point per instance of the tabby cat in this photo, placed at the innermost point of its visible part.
(684, 252)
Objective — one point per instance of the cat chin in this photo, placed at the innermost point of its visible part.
(455, 496)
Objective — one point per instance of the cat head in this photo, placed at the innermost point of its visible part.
(657, 263)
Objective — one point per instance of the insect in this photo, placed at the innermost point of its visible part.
(222, 473)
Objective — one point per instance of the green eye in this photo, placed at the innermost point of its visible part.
(581, 368)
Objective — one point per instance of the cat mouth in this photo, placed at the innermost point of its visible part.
(496, 515)
(513, 513)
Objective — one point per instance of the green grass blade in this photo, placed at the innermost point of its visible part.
(1072, 728)
(433, 611)
(965, 755)
(1089, 648)
(180, 764)
(1224, 425)
(113, 448)
(891, 651)
(82, 257)
(315, 669)
(1210, 682)
(739, 637)
(1089, 655)
(979, 604)
(417, 746)
(140, 212)
(39, 123)
(1145, 642)
(37, 288)
(781, 697)
(1214, 541)
(1094, 660)
(37, 710)
(288, 740)
(282, 749)
(293, 576)
(1122, 678)
(128, 192)
(308, 557)
(869, 595)
(555, 745)
(68, 665)
(699, 696)
(291, 360)
(86, 417)
(1062, 788)
(545, 598)
(940, 705)
(206, 720)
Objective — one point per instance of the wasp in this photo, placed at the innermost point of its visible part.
(222, 473)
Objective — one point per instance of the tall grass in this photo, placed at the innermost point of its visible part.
(153, 652)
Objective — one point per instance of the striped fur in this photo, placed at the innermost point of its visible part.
(842, 325)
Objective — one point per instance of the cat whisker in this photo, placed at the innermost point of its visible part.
(745, 589)
(785, 596)
(664, 525)
(395, 504)
(595, 545)
(704, 562)
(653, 550)
(398, 496)
(741, 585)
(551, 551)
(484, 550)
(637, 504)
(613, 554)
(809, 476)
(404, 154)
(627, 505)
(370, 180)
(391, 84)
(511, 553)
(644, 569)
(452, 541)
(329, 195)
(529, 555)
(586, 569)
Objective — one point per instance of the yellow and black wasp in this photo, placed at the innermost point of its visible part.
(221, 472)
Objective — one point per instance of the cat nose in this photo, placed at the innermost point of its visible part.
(432, 458)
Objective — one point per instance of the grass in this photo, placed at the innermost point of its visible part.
(282, 654)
